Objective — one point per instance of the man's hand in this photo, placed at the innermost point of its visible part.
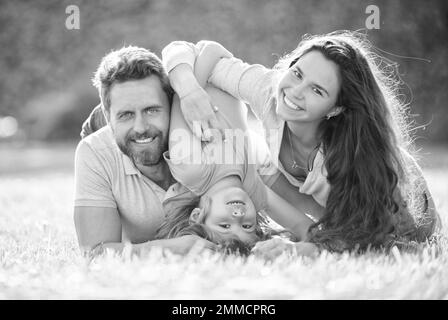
(273, 248)
(184, 244)
(200, 114)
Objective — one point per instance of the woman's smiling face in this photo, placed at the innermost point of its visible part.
(309, 89)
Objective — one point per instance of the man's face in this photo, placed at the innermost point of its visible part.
(140, 117)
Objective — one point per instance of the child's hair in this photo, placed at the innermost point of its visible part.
(362, 145)
(177, 224)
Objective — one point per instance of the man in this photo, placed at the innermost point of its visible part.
(121, 178)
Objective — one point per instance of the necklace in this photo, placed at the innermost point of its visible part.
(295, 165)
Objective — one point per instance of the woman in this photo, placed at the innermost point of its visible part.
(332, 119)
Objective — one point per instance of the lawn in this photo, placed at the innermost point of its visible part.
(39, 257)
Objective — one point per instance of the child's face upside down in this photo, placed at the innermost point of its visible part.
(232, 214)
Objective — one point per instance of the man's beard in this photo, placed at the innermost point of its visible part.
(149, 156)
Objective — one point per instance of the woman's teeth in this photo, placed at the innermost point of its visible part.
(148, 140)
(291, 104)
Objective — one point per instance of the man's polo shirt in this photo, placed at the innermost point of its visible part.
(105, 177)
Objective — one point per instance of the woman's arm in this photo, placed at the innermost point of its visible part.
(287, 215)
(197, 109)
(250, 83)
(304, 202)
(189, 66)
(99, 229)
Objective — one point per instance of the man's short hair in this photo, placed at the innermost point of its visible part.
(128, 63)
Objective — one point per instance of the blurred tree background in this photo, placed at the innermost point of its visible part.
(46, 68)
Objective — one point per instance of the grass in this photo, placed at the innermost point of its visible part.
(39, 257)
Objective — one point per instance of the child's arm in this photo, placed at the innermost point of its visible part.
(272, 248)
(192, 161)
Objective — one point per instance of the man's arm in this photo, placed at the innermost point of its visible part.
(99, 229)
(97, 226)
(96, 217)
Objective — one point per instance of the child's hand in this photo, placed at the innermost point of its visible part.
(273, 248)
(186, 244)
(306, 249)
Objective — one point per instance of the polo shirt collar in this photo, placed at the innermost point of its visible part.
(129, 167)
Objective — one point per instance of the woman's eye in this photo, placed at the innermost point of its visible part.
(297, 73)
(247, 226)
(225, 225)
(317, 91)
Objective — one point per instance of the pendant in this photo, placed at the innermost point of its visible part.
(294, 164)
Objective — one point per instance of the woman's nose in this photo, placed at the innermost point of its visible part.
(298, 90)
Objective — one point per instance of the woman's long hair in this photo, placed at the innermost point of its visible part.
(361, 147)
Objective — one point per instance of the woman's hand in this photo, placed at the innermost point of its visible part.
(272, 248)
(195, 103)
(200, 114)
